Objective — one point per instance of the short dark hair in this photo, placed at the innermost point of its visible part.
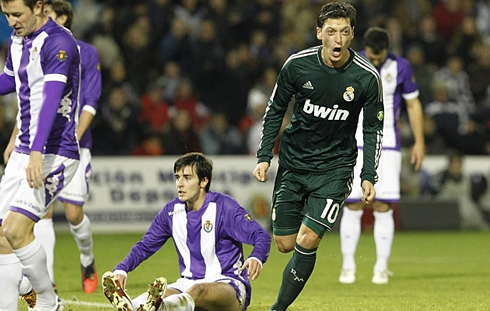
(62, 7)
(202, 165)
(28, 3)
(377, 39)
(337, 10)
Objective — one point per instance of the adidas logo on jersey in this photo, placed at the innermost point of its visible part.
(308, 85)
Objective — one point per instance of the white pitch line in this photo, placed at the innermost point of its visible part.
(87, 304)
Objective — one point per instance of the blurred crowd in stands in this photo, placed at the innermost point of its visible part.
(196, 75)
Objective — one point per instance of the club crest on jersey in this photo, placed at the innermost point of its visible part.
(208, 226)
(388, 77)
(34, 53)
(381, 115)
(61, 55)
(349, 94)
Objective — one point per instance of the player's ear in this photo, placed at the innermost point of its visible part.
(62, 19)
(319, 33)
(204, 182)
(38, 8)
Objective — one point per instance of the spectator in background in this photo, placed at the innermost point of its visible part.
(182, 136)
(221, 137)
(101, 35)
(170, 80)
(479, 76)
(235, 84)
(208, 56)
(409, 13)
(251, 123)
(191, 12)
(465, 41)
(117, 77)
(175, 46)
(432, 43)
(151, 145)
(154, 115)
(117, 127)
(161, 14)
(448, 15)
(453, 123)
(452, 183)
(421, 72)
(187, 99)
(138, 54)
(457, 80)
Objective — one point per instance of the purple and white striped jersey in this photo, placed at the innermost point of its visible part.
(90, 85)
(208, 241)
(398, 84)
(48, 55)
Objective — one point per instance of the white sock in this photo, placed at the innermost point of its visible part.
(180, 302)
(11, 272)
(44, 232)
(25, 286)
(350, 232)
(384, 230)
(33, 260)
(82, 233)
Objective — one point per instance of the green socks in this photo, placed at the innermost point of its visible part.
(294, 277)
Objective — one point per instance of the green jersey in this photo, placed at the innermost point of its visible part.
(328, 101)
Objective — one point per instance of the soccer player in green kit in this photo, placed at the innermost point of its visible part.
(331, 84)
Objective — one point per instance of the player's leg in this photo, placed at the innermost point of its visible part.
(73, 198)
(286, 211)
(80, 228)
(10, 266)
(205, 296)
(350, 232)
(387, 193)
(384, 231)
(350, 226)
(44, 232)
(321, 209)
(29, 206)
(11, 272)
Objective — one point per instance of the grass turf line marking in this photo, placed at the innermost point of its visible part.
(86, 303)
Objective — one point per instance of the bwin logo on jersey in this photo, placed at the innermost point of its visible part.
(334, 114)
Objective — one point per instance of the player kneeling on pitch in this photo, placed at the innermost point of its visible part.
(208, 229)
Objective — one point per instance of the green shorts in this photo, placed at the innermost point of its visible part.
(312, 199)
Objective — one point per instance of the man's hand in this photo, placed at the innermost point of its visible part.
(253, 267)
(122, 280)
(8, 151)
(417, 155)
(35, 170)
(368, 192)
(260, 171)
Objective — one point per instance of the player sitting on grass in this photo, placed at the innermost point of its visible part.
(208, 229)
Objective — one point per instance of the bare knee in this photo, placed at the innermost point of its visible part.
(17, 231)
(355, 206)
(74, 213)
(285, 244)
(381, 206)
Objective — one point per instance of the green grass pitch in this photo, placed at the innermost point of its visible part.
(432, 271)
